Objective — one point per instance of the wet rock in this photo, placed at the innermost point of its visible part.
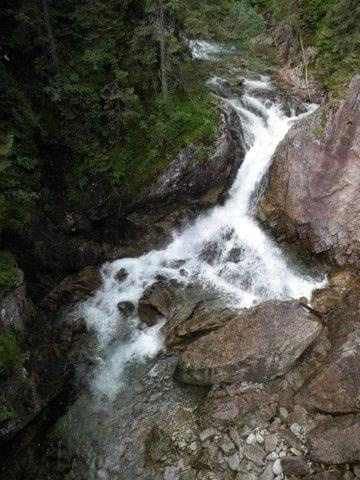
(342, 280)
(294, 467)
(206, 316)
(122, 275)
(324, 300)
(259, 344)
(336, 441)
(310, 198)
(126, 308)
(157, 300)
(73, 289)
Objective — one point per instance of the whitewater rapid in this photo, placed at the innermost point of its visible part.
(259, 273)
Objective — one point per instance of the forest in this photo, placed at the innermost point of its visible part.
(96, 91)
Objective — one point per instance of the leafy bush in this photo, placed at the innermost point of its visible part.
(333, 26)
(7, 272)
(10, 353)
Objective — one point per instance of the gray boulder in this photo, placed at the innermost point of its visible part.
(260, 344)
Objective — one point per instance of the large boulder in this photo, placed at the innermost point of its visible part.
(336, 440)
(313, 194)
(73, 289)
(158, 300)
(336, 389)
(260, 344)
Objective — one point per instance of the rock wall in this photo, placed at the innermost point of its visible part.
(313, 194)
(51, 348)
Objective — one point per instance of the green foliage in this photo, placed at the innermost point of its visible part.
(5, 414)
(338, 41)
(19, 175)
(162, 131)
(97, 107)
(10, 353)
(333, 26)
(7, 272)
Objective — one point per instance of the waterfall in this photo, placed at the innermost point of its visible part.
(261, 271)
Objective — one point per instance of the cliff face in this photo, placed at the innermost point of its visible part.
(313, 192)
(39, 349)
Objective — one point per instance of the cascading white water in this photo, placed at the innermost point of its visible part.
(260, 272)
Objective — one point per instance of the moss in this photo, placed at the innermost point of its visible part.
(319, 132)
(5, 414)
(7, 272)
(10, 354)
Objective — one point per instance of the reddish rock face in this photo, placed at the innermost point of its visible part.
(336, 389)
(313, 192)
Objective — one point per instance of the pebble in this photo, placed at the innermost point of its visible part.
(296, 429)
(270, 442)
(267, 473)
(235, 437)
(193, 446)
(273, 456)
(356, 469)
(207, 434)
(275, 425)
(226, 445)
(295, 452)
(251, 439)
(233, 461)
(259, 438)
(283, 413)
(255, 454)
(276, 467)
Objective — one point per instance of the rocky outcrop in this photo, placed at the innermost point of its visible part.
(313, 194)
(336, 441)
(295, 63)
(73, 289)
(335, 389)
(259, 344)
(49, 348)
(190, 183)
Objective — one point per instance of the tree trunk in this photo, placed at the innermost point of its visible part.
(51, 40)
(305, 65)
(163, 66)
